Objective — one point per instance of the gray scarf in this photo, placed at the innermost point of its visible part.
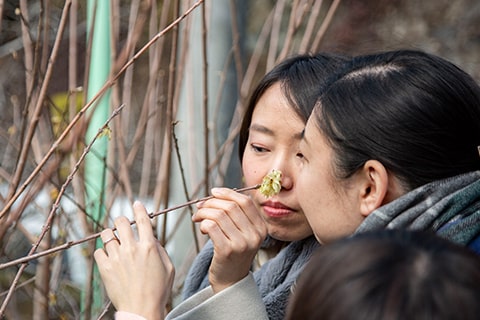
(274, 278)
(449, 207)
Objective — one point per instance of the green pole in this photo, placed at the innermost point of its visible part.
(95, 161)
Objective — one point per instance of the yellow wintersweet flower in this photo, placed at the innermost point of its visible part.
(271, 183)
(106, 132)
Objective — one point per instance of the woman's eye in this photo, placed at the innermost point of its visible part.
(256, 148)
(300, 156)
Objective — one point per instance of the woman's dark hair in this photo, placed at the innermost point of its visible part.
(389, 274)
(416, 113)
(301, 78)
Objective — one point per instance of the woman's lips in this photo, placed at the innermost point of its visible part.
(276, 209)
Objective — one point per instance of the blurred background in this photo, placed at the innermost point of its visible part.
(106, 102)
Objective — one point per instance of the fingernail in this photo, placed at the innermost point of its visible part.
(217, 191)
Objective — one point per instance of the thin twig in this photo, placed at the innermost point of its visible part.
(275, 33)
(104, 310)
(72, 243)
(23, 284)
(1, 14)
(206, 135)
(325, 24)
(161, 195)
(296, 14)
(310, 28)
(184, 183)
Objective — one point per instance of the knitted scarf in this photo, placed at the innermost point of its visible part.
(449, 207)
(274, 278)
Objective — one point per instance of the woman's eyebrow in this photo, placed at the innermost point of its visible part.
(260, 128)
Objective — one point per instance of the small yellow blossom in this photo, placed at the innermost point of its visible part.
(271, 183)
(52, 299)
(106, 132)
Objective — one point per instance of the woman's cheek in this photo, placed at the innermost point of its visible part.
(301, 190)
(252, 168)
(249, 174)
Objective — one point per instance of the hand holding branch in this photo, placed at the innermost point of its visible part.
(137, 272)
(237, 230)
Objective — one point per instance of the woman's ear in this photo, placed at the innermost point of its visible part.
(374, 186)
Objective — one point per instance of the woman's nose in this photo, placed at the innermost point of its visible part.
(287, 180)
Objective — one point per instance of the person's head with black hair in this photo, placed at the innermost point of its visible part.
(387, 124)
(389, 274)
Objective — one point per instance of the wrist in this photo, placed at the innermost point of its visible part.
(218, 286)
(124, 315)
(143, 314)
